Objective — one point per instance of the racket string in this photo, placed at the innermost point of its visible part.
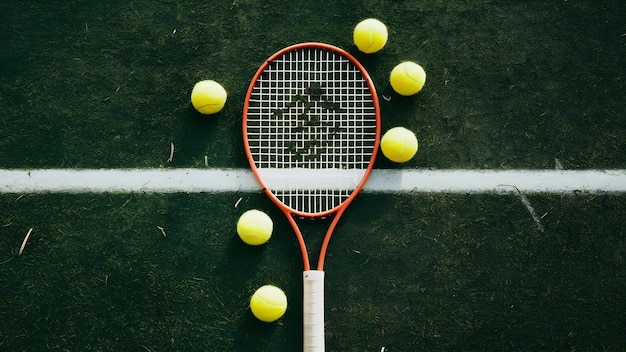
(312, 201)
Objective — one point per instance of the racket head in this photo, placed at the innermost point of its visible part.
(311, 128)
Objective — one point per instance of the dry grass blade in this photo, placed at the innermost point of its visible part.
(24, 241)
(171, 158)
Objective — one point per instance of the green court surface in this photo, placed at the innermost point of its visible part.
(511, 85)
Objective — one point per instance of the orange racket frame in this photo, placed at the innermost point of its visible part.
(272, 94)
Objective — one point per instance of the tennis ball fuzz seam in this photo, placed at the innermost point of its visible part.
(399, 144)
(370, 35)
(407, 78)
(268, 303)
(208, 97)
(254, 227)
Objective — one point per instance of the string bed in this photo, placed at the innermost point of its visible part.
(311, 127)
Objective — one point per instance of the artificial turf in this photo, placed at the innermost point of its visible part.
(510, 85)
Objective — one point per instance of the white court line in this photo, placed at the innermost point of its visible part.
(381, 180)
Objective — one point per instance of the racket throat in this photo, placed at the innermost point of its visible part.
(313, 311)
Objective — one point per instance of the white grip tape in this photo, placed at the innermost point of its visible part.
(313, 309)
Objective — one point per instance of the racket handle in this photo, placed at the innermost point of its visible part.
(313, 309)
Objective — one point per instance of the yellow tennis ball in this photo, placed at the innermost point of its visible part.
(370, 35)
(407, 78)
(399, 144)
(208, 97)
(254, 227)
(268, 303)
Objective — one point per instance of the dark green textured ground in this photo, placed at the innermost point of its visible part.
(511, 84)
(442, 273)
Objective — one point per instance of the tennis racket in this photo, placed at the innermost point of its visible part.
(311, 128)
